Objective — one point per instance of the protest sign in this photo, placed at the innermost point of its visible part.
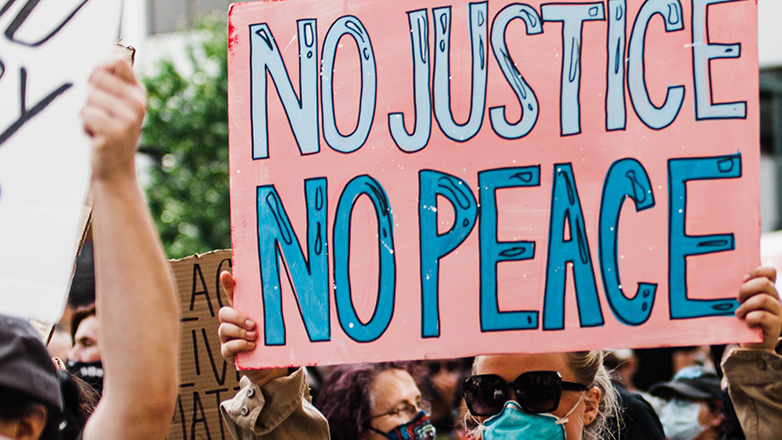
(421, 179)
(47, 52)
(205, 378)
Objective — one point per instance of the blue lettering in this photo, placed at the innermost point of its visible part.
(616, 111)
(442, 71)
(566, 208)
(419, 42)
(626, 178)
(681, 245)
(702, 54)
(384, 309)
(435, 246)
(309, 279)
(572, 16)
(493, 251)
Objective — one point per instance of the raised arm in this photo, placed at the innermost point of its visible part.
(136, 302)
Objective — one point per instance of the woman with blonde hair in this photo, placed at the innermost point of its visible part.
(542, 396)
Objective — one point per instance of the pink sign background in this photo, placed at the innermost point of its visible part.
(557, 154)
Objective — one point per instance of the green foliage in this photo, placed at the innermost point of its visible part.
(186, 134)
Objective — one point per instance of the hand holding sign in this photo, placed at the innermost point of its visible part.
(421, 198)
(760, 307)
(114, 128)
(238, 334)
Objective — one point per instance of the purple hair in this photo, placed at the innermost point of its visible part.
(345, 398)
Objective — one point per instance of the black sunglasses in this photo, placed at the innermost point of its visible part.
(536, 392)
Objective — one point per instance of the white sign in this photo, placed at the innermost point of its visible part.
(47, 52)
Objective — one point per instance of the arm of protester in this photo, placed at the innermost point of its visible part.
(760, 307)
(238, 334)
(754, 372)
(135, 293)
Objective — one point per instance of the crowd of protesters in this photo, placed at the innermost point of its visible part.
(118, 383)
(578, 395)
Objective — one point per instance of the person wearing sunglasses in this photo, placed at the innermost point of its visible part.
(553, 396)
(562, 396)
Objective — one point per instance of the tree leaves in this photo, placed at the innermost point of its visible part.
(186, 135)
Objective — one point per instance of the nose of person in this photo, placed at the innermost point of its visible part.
(509, 395)
(75, 354)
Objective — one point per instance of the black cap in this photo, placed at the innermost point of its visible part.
(25, 365)
(690, 383)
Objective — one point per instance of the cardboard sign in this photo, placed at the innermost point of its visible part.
(47, 53)
(205, 378)
(420, 179)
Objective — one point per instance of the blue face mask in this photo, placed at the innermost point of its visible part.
(680, 420)
(513, 423)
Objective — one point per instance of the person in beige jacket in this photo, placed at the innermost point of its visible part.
(754, 371)
(274, 405)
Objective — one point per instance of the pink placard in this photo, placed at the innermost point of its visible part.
(416, 179)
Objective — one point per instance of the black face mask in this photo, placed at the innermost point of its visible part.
(417, 429)
(90, 372)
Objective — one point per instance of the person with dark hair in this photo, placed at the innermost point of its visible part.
(554, 395)
(375, 401)
(34, 394)
(356, 402)
(81, 399)
(29, 387)
(135, 294)
(84, 359)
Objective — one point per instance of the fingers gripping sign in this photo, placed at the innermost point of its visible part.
(238, 334)
(760, 306)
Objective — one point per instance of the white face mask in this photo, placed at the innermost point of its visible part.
(680, 420)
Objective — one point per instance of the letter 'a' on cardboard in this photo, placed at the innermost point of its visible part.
(205, 379)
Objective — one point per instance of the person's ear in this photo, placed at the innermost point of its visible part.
(716, 418)
(591, 404)
(30, 426)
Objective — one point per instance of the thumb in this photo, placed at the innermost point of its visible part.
(227, 280)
